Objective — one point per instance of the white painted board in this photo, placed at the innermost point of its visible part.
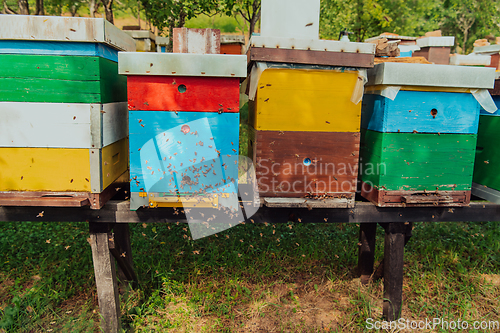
(61, 125)
(182, 64)
(489, 49)
(290, 18)
(65, 29)
(447, 41)
(408, 74)
(311, 44)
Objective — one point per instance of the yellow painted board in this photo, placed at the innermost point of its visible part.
(306, 100)
(114, 161)
(44, 169)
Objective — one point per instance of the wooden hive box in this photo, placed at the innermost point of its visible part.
(184, 127)
(419, 133)
(64, 137)
(486, 181)
(305, 138)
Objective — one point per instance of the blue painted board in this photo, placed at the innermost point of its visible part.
(421, 111)
(189, 152)
(496, 99)
(58, 48)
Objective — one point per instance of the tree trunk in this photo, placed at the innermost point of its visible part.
(39, 8)
(6, 9)
(254, 19)
(466, 35)
(108, 9)
(93, 6)
(24, 8)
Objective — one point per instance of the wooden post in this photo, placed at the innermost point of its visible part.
(366, 256)
(393, 269)
(122, 251)
(105, 277)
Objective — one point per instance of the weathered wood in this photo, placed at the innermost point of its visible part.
(52, 199)
(183, 93)
(363, 212)
(55, 79)
(417, 161)
(435, 54)
(384, 198)
(199, 41)
(297, 163)
(311, 57)
(421, 111)
(488, 154)
(496, 89)
(305, 100)
(64, 29)
(105, 277)
(393, 270)
(366, 254)
(309, 203)
(57, 48)
(160, 151)
(121, 249)
(62, 125)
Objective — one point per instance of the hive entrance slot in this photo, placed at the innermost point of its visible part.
(182, 88)
(434, 113)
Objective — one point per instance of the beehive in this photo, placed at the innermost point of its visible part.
(486, 181)
(419, 130)
(64, 129)
(305, 115)
(184, 127)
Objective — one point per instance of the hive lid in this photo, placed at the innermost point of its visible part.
(490, 49)
(226, 39)
(64, 29)
(182, 64)
(446, 41)
(408, 74)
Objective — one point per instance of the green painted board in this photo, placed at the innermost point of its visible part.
(60, 79)
(487, 166)
(417, 161)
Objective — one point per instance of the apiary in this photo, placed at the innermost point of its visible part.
(184, 127)
(419, 131)
(64, 130)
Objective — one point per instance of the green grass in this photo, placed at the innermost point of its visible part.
(274, 277)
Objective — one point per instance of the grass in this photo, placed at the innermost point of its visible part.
(251, 278)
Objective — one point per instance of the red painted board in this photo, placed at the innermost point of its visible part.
(183, 93)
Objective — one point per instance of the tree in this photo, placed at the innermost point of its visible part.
(174, 13)
(248, 9)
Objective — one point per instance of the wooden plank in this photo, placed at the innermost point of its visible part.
(72, 29)
(114, 161)
(383, 198)
(50, 125)
(158, 147)
(199, 41)
(393, 270)
(36, 47)
(487, 153)
(309, 203)
(114, 123)
(366, 254)
(235, 48)
(306, 100)
(293, 164)
(417, 162)
(105, 278)
(44, 169)
(311, 57)
(183, 93)
(52, 199)
(54, 79)
(428, 112)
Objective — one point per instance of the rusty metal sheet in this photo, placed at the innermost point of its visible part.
(182, 64)
(68, 29)
(426, 75)
(198, 41)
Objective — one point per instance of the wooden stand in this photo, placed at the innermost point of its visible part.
(106, 247)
